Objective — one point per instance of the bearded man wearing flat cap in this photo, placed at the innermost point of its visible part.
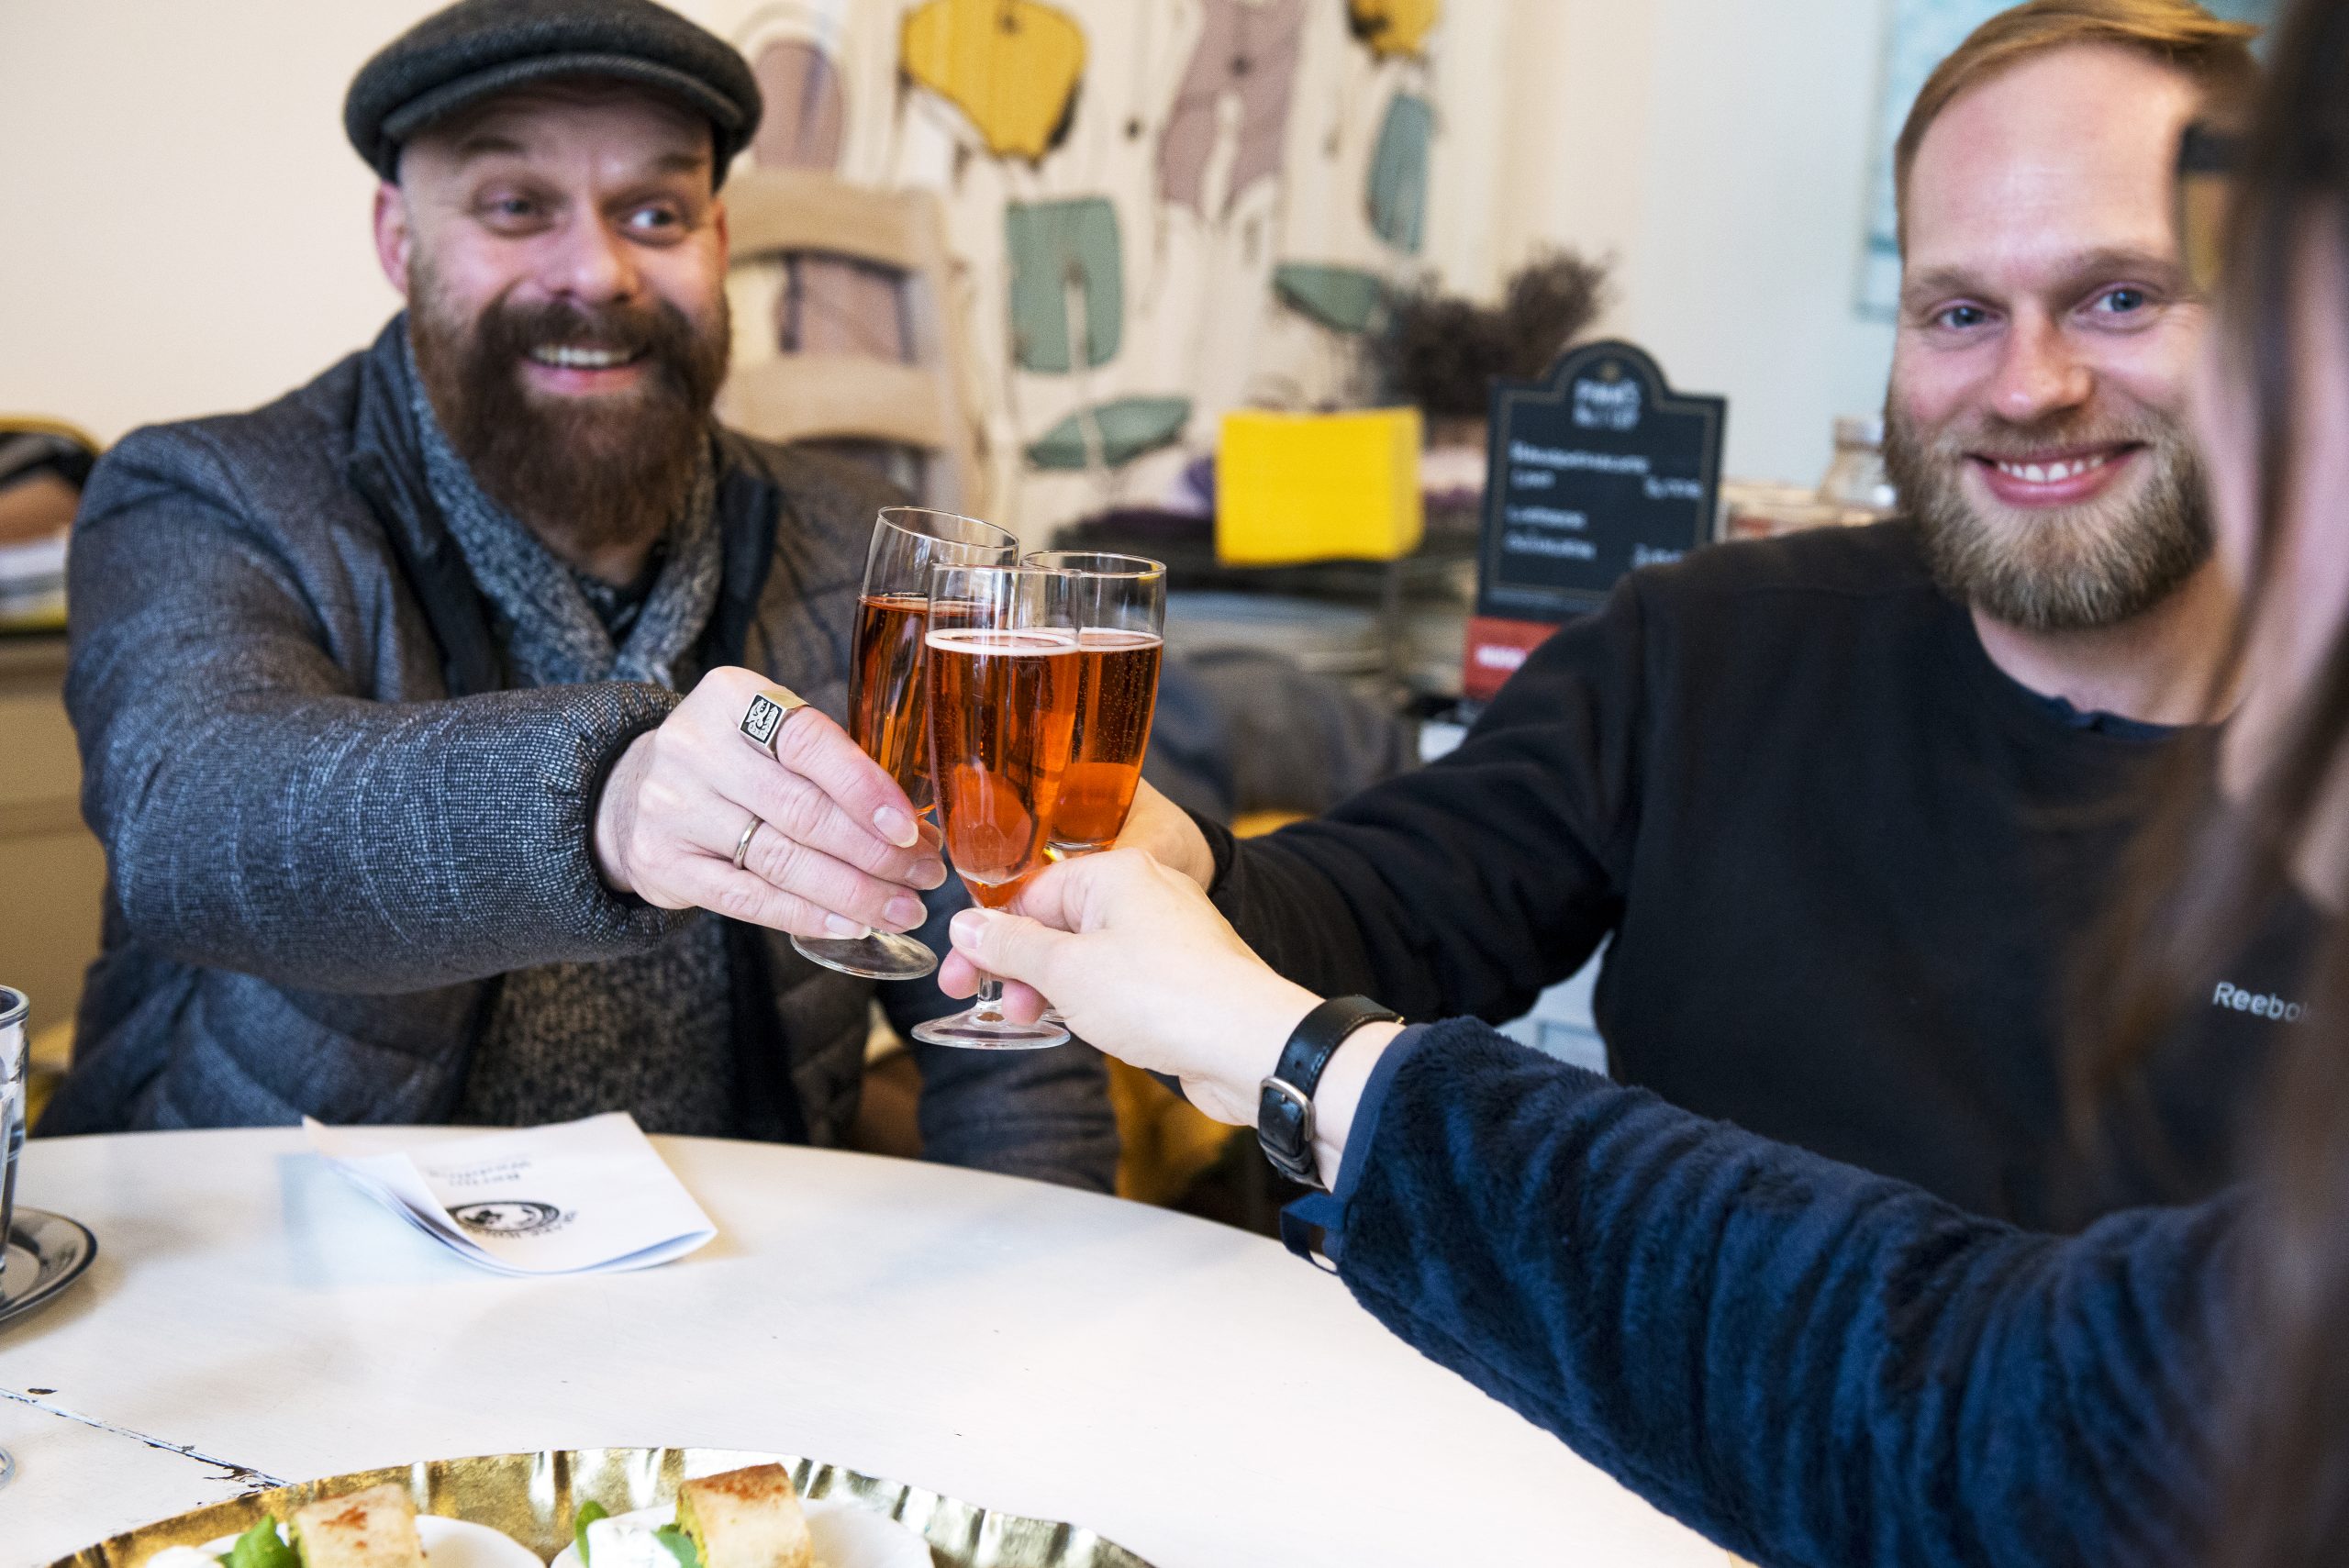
(411, 705)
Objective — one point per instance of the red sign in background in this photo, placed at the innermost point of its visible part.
(1496, 648)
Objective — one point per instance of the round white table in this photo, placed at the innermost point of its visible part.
(1188, 1390)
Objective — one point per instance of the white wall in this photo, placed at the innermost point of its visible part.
(1755, 187)
(182, 228)
(1719, 151)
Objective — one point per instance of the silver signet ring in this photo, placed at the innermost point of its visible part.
(763, 721)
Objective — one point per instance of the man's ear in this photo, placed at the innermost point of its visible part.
(725, 250)
(395, 239)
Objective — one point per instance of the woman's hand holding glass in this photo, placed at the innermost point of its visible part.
(1159, 828)
(1142, 966)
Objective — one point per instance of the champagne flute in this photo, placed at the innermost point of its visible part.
(887, 695)
(1002, 671)
(1119, 606)
(1118, 603)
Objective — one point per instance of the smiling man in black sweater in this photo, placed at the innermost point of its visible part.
(1847, 802)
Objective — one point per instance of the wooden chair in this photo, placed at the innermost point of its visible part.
(920, 401)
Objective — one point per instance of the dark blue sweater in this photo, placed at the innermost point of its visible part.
(1808, 1364)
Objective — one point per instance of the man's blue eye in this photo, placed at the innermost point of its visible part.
(1963, 315)
(2122, 301)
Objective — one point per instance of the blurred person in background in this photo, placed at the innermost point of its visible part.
(1843, 805)
(408, 703)
(1812, 1363)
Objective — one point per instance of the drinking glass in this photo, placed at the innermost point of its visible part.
(1117, 604)
(14, 1049)
(13, 1052)
(887, 694)
(1002, 649)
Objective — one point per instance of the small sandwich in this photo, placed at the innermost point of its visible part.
(744, 1519)
(375, 1528)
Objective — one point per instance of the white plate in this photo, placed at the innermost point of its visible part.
(846, 1536)
(449, 1543)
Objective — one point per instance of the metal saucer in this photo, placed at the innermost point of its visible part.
(46, 1253)
(534, 1497)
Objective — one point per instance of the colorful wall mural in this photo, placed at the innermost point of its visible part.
(1159, 209)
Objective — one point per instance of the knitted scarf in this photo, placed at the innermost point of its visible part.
(650, 1033)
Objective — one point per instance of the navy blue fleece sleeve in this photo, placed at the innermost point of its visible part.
(1809, 1363)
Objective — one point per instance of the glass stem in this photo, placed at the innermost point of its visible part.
(986, 1007)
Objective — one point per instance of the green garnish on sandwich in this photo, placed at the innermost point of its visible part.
(744, 1519)
(374, 1529)
(672, 1540)
(261, 1547)
(589, 1512)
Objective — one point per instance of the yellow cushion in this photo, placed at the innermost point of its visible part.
(1298, 487)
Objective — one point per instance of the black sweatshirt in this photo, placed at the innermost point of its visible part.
(1845, 860)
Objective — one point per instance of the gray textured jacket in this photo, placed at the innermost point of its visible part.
(328, 829)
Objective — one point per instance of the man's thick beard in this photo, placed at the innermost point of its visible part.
(587, 472)
(2067, 569)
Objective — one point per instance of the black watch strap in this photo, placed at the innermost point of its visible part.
(1285, 1100)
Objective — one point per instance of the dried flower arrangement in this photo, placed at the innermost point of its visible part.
(1442, 352)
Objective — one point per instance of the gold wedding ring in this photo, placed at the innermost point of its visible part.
(742, 844)
(762, 722)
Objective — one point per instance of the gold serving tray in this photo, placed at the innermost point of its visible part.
(531, 1497)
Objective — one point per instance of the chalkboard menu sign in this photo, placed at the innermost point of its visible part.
(1594, 469)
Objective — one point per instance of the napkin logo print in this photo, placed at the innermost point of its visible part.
(761, 722)
(510, 1216)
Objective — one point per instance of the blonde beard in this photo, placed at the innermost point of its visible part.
(2065, 568)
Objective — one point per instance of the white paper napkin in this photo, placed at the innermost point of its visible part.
(575, 1197)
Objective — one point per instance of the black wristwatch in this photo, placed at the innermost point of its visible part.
(1284, 1101)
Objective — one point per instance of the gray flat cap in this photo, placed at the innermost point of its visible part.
(477, 49)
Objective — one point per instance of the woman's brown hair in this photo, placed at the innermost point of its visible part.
(2206, 867)
(2289, 1486)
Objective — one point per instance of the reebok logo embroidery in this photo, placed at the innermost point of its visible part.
(2263, 1005)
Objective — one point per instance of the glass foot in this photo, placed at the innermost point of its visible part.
(983, 1028)
(879, 955)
